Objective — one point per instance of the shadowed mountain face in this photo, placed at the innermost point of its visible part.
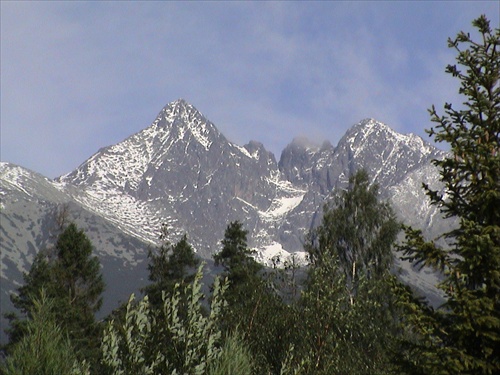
(183, 172)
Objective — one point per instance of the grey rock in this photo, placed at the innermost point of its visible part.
(181, 171)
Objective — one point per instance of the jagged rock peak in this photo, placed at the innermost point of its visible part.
(370, 125)
(327, 146)
(183, 118)
(256, 150)
(370, 130)
(177, 125)
(255, 147)
(179, 107)
(181, 110)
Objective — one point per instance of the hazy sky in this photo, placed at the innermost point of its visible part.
(78, 76)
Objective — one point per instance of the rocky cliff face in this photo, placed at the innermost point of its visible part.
(183, 172)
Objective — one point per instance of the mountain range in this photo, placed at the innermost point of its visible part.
(182, 172)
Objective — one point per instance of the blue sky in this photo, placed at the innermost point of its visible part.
(78, 76)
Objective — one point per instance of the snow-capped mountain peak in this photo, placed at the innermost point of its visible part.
(181, 171)
(177, 125)
(188, 122)
(370, 129)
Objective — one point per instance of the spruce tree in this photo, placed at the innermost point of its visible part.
(235, 256)
(242, 272)
(463, 336)
(71, 278)
(44, 348)
(253, 308)
(170, 265)
(39, 277)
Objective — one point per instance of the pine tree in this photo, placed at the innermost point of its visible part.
(38, 278)
(170, 265)
(253, 308)
(236, 257)
(463, 336)
(242, 272)
(44, 348)
(77, 272)
(72, 280)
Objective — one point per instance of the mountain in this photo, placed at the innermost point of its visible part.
(183, 172)
(30, 210)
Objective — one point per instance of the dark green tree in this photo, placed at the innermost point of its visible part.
(253, 308)
(39, 277)
(463, 336)
(347, 305)
(235, 256)
(170, 265)
(71, 278)
(78, 272)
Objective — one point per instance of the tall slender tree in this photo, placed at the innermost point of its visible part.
(253, 308)
(347, 303)
(236, 256)
(242, 272)
(357, 230)
(45, 348)
(463, 337)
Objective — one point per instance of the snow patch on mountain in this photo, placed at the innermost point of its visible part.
(268, 253)
(282, 206)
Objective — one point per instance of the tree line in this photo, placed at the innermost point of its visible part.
(348, 313)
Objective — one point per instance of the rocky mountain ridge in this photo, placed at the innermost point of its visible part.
(183, 172)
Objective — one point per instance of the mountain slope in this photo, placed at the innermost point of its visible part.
(30, 218)
(182, 171)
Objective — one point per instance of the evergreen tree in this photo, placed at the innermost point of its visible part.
(38, 278)
(235, 358)
(45, 348)
(77, 272)
(242, 272)
(253, 308)
(72, 280)
(170, 265)
(236, 257)
(463, 336)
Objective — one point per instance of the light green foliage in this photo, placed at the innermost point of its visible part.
(235, 358)
(168, 343)
(44, 348)
(464, 335)
(344, 336)
(347, 304)
(124, 351)
(358, 230)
